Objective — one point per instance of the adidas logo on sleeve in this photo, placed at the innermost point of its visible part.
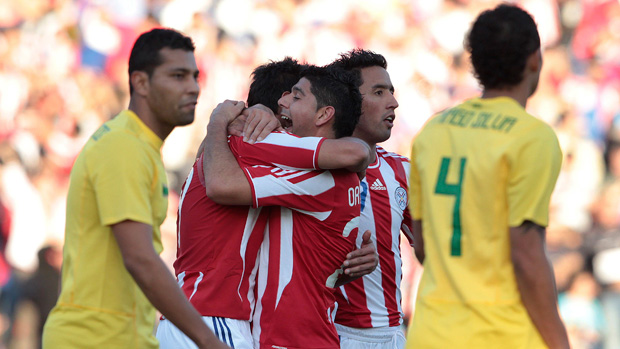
(377, 185)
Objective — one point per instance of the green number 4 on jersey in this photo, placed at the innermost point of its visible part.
(445, 188)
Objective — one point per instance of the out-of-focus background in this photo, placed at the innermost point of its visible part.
(63, 72)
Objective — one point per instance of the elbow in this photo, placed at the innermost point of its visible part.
(137, 265)
(216, 192)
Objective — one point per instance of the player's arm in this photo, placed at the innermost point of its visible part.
(148, 270)
(418, 241)
(360, 262)
(225, 182)
(349, 153)
(536, 284)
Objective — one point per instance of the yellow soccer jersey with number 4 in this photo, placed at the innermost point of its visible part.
(119, 175)
(476, 170)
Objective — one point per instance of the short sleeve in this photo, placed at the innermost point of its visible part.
(301, 190)
(534, 168)
(121, 173)
(279, 149)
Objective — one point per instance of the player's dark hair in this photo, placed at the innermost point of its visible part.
(499, 43)
(339, 88)
(270, 80)
(359, 58)
(145, 54)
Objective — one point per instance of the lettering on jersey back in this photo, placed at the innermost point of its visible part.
(479, 120)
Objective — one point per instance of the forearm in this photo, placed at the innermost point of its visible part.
(225, 182)
(135, 242)
(536, 285)
(349, 153)
(418, 240)
(159, 286)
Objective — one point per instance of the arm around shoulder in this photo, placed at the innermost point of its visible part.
(349, 153)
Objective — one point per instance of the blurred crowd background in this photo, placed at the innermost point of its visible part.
(63, 72)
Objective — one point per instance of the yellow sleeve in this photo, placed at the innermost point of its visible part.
(122, 174)
(534, 169)
(415, 193)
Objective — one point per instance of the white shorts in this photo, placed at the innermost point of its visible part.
(235, 333)
(371, 338)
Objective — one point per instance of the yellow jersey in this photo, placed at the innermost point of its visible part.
(476, 170)
(119, 175)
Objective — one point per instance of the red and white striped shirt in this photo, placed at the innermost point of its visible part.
(374, 300)
(302, 255)
(218, 245)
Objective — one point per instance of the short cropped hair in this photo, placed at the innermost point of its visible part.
(270, 80)
(359, 58)
(499, 43)
(336, 87)
(145, 54)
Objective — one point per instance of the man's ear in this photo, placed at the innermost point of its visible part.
(324, 115)
(534, 61)
(140, 82)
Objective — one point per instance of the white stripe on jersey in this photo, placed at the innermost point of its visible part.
(316, 214)
(388, 172)
(250, 222)
(188, 181)
(261, 282)
(315, 185)
(286, 250)
(181, 279)
(280, 138)
(196, 285)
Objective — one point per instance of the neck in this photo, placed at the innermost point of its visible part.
(519, 93)
(149, 119)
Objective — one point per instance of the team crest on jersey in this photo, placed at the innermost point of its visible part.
(401, 197)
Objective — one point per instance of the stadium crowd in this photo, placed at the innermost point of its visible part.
(63, 73)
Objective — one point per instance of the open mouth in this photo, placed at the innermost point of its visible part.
(286, 122)
(390, 119)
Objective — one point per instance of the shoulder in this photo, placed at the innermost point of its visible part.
(391, 158)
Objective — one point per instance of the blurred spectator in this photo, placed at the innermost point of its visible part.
(582, 312)
(42, 288)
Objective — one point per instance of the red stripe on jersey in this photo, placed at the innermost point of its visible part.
(218, 245)
(374, 300)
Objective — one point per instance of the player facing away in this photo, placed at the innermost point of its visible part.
(482, 174)
(112, 275)
(218, 244)
(369, 309)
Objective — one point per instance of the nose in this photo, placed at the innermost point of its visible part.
(393, 103)
(194, 86)
(284, 101)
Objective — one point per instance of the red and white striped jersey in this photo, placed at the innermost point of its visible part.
(374, 300)
(302, 254)
(218, 245)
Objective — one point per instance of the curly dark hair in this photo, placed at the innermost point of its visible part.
(499, 43)
(359, 58)
(272, 79)
(145, 52)
(339, 88)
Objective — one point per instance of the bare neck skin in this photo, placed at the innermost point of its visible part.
(146, 115)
